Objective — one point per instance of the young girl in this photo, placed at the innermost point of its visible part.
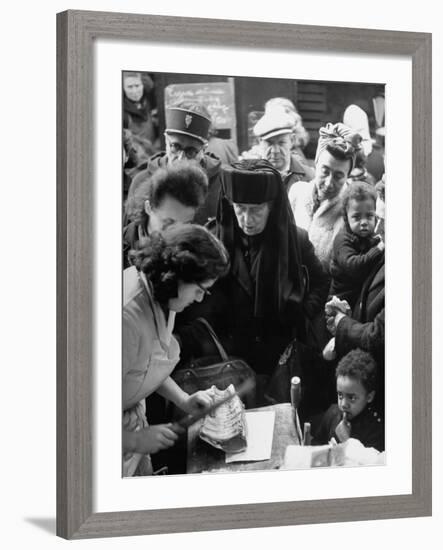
(354, 414)
(356, 250)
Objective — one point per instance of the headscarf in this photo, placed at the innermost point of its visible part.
(339, 139)
(278, 275)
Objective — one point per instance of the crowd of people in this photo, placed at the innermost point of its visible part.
(270, 249)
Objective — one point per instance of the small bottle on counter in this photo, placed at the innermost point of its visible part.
(295, 391)
(307, 438)
(295, 402)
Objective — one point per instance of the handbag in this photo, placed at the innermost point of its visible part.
(219, 370)
(316, 376)
(298, 359)
(288, 366)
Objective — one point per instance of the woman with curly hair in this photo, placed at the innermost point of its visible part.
(170, 271)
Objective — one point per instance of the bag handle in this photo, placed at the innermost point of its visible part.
(218, 344)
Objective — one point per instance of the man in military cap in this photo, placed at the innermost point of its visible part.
(186, 138)
(274, 131)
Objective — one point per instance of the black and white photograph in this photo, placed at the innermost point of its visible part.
(253, 285)
(195, 347)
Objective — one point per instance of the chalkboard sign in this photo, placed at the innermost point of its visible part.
(217, 97)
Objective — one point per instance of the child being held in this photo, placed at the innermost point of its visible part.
(354, 414)
(356, 249)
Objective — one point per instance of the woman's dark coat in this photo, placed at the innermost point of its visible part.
(275, 286)
(366, 328)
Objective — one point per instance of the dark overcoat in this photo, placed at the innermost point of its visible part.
(366, 328)
(230, 309)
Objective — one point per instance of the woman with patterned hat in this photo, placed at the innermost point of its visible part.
(317, 205)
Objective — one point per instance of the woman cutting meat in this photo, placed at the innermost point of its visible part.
(170, 272)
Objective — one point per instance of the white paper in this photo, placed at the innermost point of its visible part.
(260, 431)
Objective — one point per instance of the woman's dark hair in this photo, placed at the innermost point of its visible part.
(182, 252)
(184, 181)
(358, 191)
(361, 366)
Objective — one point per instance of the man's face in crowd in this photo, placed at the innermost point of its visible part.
(169, 212)
(133, 87)
(330, 175)
(277, 150)
(252, 218)
(183, 147)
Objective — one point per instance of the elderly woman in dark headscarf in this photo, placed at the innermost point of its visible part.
(275, 282)
(317, 206)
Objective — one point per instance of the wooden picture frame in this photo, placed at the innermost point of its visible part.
(76, 32)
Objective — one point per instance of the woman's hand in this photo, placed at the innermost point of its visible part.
(335, 310)
(338, 318)
(199, 401)
(153, 439)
